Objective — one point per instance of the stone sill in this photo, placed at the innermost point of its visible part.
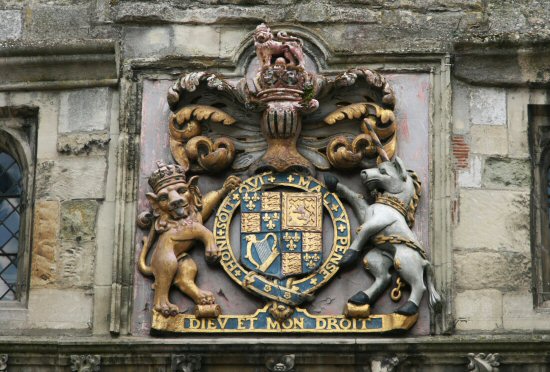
(438, 353)
(493, 342)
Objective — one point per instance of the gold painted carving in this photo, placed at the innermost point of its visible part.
(252, 240)
(271, 201)
(286, 321)
(250, 222)
(345, 154)
(303, 211)
(292, 263)
(356, 311)
(176, 223)
(312, 242)
(192, 150)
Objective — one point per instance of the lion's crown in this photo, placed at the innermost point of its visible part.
(165, 175)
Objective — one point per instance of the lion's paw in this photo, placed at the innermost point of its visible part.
(167, 309)
(231, 183)
(212, 254)
(206, 298)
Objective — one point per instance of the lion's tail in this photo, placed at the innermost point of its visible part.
(147, 242)
(434, 299)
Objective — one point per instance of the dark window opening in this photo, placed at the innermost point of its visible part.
(10, 220)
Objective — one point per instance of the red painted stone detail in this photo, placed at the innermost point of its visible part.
(461, 151)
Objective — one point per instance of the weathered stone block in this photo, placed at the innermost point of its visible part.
(84, 110)
(88, 143)
(518, 313)
(506, 271)
(461, 107)
(102, 309)
(45, 242)
(48, 115)
(506, 173)
(58, 21)
(60, 308)
(78, 219)
(105, 238)
(492, 219)
(75, 265)
(144, 41)
(489, 139)
(488, 106)
(478, 310)
(71, 178)
(518, 122)
(471, 177)
(11, 25)
(231, 39)
(196, 40)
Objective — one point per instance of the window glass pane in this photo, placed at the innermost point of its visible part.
(10, 176)
(10, 193)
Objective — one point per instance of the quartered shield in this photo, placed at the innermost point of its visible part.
(281, 232)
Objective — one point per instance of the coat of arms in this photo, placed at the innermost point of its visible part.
(281, 231)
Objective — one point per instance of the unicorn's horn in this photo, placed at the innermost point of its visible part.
(379, 147)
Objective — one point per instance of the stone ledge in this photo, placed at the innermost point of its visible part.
(513, 342)
(247, 354)
(47, 65)
(514, 65)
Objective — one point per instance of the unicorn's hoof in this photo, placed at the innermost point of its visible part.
(331, 182)
(349, 258)
(410, 308)
(360, 298)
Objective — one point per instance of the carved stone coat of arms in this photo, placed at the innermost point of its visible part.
(305, 191)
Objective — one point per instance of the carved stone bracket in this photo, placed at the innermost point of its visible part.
(85, 363)
(284, 363)
(186, 363)
(3, 362)
(385, 364)
(483, 362)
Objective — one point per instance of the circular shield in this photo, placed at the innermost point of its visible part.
(281, 236)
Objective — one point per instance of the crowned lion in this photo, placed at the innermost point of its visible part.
(176, 223)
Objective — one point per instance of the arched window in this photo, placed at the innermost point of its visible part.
(10, 221)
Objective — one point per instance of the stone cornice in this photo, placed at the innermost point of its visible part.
(54, 65)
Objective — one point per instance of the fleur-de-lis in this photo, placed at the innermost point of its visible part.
(251, 200)
(291, 240)
(271, 219)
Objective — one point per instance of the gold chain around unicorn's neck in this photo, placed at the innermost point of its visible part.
(393, 202)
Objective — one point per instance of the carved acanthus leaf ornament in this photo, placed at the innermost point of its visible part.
(278, 120)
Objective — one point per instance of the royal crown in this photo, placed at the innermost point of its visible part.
(165, 175)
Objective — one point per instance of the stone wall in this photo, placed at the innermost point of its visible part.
(81, 64)
(492, 244)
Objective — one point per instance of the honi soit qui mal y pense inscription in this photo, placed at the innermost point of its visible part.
(286, 250)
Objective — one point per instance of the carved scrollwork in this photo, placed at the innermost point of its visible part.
(378, 84)
(190, 82)
(3, 362)
(85, 363)
(386, 364)
(345, 154)
(186, 363)
(192, 150)
(483, 362)
(284, 363)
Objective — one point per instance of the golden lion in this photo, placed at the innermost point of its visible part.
(178, 214)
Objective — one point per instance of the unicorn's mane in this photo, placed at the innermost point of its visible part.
(413, 204)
